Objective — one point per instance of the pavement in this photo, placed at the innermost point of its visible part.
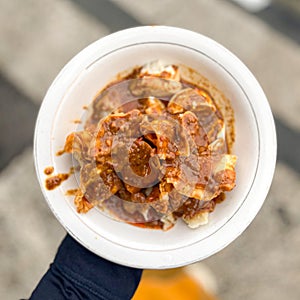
(39, 37)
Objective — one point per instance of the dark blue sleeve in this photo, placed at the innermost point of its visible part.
(77, 274)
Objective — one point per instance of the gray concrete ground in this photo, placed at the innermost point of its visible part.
(264, 263)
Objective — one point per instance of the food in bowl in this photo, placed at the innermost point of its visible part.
(156, 147)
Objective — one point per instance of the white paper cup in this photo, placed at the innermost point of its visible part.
(255, 146)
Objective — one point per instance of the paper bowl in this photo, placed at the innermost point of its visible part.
(255, 146)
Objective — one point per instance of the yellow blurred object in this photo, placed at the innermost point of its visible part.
(175, 284)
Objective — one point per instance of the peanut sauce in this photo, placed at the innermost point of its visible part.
(150, 225)
(72, 192)
(60, 152)
(72, 170)
(48, 170)
(55, 181)
(68, 146)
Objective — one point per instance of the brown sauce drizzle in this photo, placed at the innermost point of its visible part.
(149, 225)
(72, 192)
(55, 181)
(48, 170)
(60, 152)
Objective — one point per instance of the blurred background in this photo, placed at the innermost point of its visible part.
(37, 37)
